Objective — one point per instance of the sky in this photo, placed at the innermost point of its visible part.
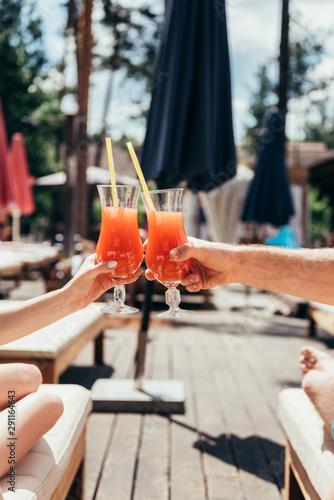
(254, 37)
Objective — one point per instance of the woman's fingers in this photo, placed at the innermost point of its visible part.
(95, 268)
(149, 275)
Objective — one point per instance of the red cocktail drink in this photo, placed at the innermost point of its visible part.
(120, 241)
(166, 231)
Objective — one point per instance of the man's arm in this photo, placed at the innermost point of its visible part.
(305, 273)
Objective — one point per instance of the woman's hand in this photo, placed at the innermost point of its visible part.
(92, 280)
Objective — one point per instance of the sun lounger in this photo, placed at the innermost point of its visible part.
(10, 267)
(54, 347)
(31, 261)
(320, 315)
(56, 462)
(309, 457)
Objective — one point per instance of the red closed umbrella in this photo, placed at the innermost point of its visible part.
(7, 195)
(21, 181)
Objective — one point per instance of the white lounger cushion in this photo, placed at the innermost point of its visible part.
(323, 307)
(48, 342)
(40, 470)
(304, 429)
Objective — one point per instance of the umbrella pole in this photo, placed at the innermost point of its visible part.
(16, 225)
(138, 395)
(142, 336)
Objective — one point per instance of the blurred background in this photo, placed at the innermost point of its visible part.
(73, 73)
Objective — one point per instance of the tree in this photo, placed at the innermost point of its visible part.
(28, 107)
(305, 52)
(321, 215)
(133, 36)
(323, 129)
(262, 99)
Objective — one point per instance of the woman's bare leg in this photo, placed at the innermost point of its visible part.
(34, 414)
(318, 381)
(330, 494)
(20, 378)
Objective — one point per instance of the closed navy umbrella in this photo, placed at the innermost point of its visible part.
(189, 133)
(269, 199)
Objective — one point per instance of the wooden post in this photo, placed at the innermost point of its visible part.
(84, 57)
(70, 169)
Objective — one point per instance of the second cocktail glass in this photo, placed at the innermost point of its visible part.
(165, 232)
(119, 240)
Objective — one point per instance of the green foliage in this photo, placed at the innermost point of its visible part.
(306, 50)
(28, 107)
(122, 143)
(305, 54)
(323, 131)
(321, 215)
(134, 37)
(95, 216)
(134, 33)
(262, 99)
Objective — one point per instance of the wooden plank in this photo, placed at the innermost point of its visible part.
(126, 342)
(246, 445)
(119, 465)
(152, 479)
(99, 433)
(187, 479)
(216, 442)
(268, 458)
(222, 488)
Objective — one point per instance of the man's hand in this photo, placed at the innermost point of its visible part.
(211, 264)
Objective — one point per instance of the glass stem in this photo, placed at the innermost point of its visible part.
(119, 294)
(173, 298)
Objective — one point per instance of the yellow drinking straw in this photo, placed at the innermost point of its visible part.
(140, 175)
(112, 171)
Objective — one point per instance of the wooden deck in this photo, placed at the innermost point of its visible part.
(229, 444)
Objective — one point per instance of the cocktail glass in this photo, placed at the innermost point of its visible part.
(119, 240)
(165, 232)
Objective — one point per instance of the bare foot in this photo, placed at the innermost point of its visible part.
(312, 358)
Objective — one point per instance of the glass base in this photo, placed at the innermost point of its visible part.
(119, 309)
(174, 313)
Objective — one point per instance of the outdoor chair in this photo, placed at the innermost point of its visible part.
(309, 453)
(54, 466)
(321, 315)
(54, 347)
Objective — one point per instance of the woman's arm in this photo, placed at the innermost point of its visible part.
(89, 283)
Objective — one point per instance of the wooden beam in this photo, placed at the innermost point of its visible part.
(84, 60)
